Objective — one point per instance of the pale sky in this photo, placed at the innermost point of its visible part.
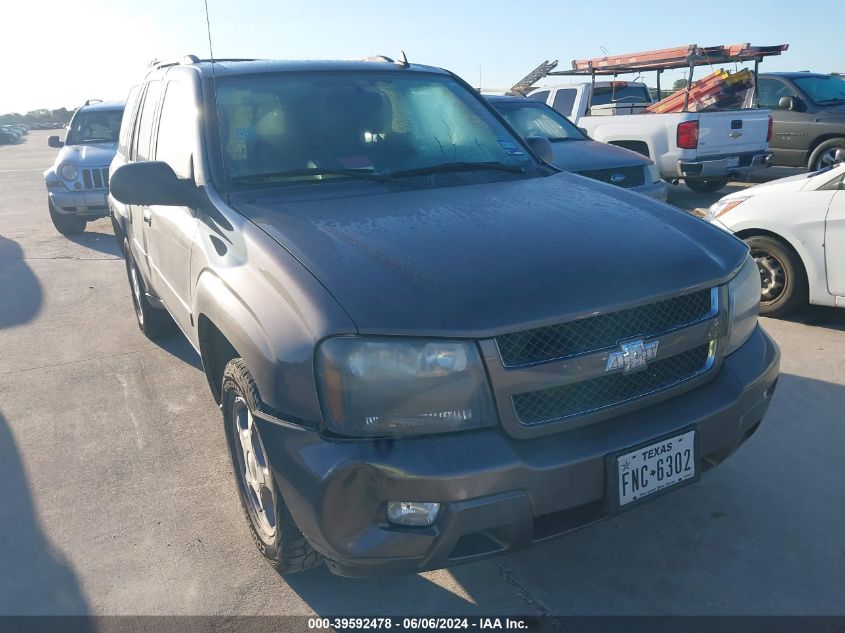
(100, 48)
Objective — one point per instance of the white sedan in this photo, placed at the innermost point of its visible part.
(795, 228)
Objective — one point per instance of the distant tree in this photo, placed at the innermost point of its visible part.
(679, 85)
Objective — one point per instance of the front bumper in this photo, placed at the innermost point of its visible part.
(722, 165)
(657, 190)
(89, 204)
(497, 494)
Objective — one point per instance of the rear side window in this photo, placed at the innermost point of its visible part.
(177, 128)
(564, 100)
(145, 122)
(126, 124)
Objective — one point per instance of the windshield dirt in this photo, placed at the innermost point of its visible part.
(317, 127)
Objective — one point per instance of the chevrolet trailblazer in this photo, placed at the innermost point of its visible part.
(429, 345)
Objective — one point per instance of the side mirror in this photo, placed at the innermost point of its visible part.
(540, 145)
(55, 141)
(789, 103)
(152, 183)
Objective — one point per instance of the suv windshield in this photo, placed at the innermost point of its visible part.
(95, 126)
(822, 90)
(536, 119)
(295, 127)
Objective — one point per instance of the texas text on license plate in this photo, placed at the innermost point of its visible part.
(656, 466)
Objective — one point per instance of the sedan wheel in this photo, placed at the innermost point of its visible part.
(783, 281)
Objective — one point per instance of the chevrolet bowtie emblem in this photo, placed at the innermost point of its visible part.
(632, 355)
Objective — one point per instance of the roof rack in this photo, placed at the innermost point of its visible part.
(688, 56)
(92, 102)
(668, 58)
(188, 60)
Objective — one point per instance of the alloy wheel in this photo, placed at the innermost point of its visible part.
(254, 470)
(772, 276)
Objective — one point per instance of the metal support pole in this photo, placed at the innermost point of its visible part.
(659, 72)
(689, 84)
(756, 103)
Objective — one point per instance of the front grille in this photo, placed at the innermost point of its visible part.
(630, 176)
(96, 178)
(602, 331)
(537, 407)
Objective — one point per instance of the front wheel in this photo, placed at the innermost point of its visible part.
(271, 524)
(706, 185)
(66, 224)
(782, 278)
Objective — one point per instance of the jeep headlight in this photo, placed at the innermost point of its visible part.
(68, 172)
(743, 304)
(371, 386)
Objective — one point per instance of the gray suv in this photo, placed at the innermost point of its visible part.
(77, 183)
(428, 345)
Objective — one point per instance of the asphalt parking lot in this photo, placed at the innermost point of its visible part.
(117, 496)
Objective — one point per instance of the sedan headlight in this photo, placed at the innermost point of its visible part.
(722, 207)
(391, 386)
(68, 172)
(743, 304)
(653, 172)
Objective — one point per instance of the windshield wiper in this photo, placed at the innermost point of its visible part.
(443, 168)
(560, 139)
(834, 100)
(367, 174)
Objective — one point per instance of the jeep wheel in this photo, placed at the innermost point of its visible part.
(271, 525)
(825, 154)
(782, 277)
(153, 322)
(706, 185)
(66, 224)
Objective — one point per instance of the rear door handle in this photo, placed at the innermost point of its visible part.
(148, 217)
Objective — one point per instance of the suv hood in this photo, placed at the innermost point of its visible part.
(484, 259)
(587, 155)
(98, 155)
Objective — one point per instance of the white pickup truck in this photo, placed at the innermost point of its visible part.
(702, 148)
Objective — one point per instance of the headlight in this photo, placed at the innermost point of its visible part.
(721, 207)
(743, 304)
(68, 172)
(381, 386)
(654, 172)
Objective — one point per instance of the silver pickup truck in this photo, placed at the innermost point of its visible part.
(428, 345)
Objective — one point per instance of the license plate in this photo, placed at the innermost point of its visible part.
(732, 161)
(655, 467)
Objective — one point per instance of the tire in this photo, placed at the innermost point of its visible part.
(119, 237)
(153, 322)
(782, 276)
(706, 185)
(66, 224)
(270, 523)
(823, 155)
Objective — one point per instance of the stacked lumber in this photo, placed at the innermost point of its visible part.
(718, 90)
